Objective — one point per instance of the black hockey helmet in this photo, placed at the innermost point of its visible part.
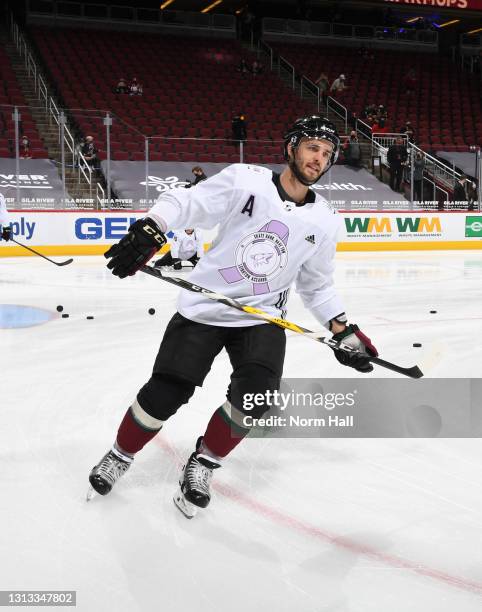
(313, 126)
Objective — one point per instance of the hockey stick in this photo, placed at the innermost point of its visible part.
(57, 263)
(413, 372)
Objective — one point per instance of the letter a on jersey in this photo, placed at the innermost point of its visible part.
(248, 207)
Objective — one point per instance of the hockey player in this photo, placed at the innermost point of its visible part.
(5, 227)
(274, 231)
(185, 246)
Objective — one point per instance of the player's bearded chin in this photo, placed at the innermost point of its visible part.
(295, 169)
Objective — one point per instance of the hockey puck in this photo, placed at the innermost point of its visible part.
(60, 308)
(433, 312)
(417, 344)
(151, 311)
(89, 317)
(65, 316)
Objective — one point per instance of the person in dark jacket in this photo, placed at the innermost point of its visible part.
(198, 176)
(352, 151)
(89, 151)
(397, 158)
(462, 192)
(418, 168)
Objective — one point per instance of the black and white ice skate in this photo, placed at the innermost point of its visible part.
(106, 473)
(194, 483)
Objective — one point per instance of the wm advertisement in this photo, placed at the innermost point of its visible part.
(393, 227)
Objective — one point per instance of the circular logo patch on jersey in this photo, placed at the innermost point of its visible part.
(260, 257)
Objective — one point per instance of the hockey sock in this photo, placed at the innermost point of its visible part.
(121, 453)
(224, 431)
(136, 430)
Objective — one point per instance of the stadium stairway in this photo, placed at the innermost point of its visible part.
(47, 128)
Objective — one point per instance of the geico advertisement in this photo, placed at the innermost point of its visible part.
(61, 228)
(70, 228)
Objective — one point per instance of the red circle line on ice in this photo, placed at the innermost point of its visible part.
(336, 540)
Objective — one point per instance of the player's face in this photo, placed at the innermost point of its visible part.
(312, 156)
(189, 231)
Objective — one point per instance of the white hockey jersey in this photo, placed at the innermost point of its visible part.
(184, 246)
(4, 216)
(264, 245)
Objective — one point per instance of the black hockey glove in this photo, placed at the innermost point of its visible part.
(6, 233)
(194, 259)
(356, 339)
(176, 263)
(141, 243)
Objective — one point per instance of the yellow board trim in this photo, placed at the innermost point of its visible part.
(59, 249)
(444, 245)
(100, 249)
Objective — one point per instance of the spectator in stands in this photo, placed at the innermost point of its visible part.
(418, 168)
(198, 176)
(323, 85)
(382, 112)
(256, 68)
(409, 131)
(122, 87)
(397, 159)
(243, 67)
(135, 88)
(379, 127)
(239, 128)
(352, 151)
(339, 85)
(371, 109)
(410, 82)
(24, 149)
(352, 119)
(89, 151)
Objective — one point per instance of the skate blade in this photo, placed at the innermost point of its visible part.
(186, 507)
(90, 494)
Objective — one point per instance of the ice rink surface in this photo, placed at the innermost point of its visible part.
(345, 525)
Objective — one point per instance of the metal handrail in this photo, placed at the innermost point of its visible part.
(438, 170)
(435, 187)
(100, 201)
(335, 106)
(287, 67)
(42, 89)
(83, 166)
(307, 85)
(382, 142)
(300, 28)
(267, 50)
